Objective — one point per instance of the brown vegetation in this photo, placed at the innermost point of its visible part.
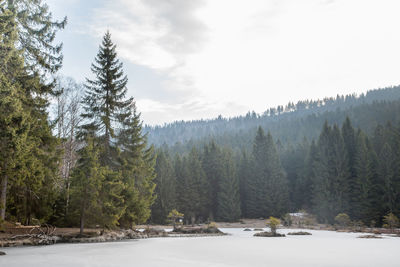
(269, 234)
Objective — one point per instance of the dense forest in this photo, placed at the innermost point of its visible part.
(77, 154)
(342, 171)
(90, 165)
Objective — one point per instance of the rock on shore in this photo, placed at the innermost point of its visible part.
(98, 237)
(38, 240)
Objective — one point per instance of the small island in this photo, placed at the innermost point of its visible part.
(272, 223)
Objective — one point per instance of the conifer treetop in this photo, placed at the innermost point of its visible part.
(36, 35)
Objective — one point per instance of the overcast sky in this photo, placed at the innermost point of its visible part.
(192, 59)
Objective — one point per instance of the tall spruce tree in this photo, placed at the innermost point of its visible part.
(256, 206)
(137, 162)
(386, 172)
(278, 196)
(245, 183)
(293, 161)
(310, 175)
(181, 173)
(14, 123)
(104, 102)
(86, 183)
(375, 201)
(35, 31)
(228, 205)
(269, 181)
(192, 191)
(33, 178)
(330, 186)
(165, 188)
(354, 193)
(361, 187)
(212, 166)
(113, 120)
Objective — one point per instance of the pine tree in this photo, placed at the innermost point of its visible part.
(111, 199)
(310, 175)
(192, 195)
(293, 161)
(386, 162)
(303, 185)
(278, 186)
(375, 201)
(113, 120)
(104, 102)
(41, 177)
(340, 171)
(330, 190)
(349, 138)
(200, 185)
(137, 163)
(359, 204)
(393, 139)
(386, 144)
(212, 166)
(36, 34)
(31, 195)
(13, 126)
(29, 175)
(245, 179)
(257, 184)
(228, 195)
(181, 173)
(86, 183)
(165, 188)
(322, 195)
(269, 181)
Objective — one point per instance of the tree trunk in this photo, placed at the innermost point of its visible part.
(28, 215)
(82, 219)
(82, 224)
(67, 201)
(3, 197)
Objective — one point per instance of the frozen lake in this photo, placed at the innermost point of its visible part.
(323, 248)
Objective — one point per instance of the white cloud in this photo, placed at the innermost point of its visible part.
(157, 34)
(254, 54)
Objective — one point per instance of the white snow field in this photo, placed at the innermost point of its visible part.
(240, 248)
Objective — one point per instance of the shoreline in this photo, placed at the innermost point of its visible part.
(71, 235)
(93, 236)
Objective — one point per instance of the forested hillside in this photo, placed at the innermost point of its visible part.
(288, 123)
(326, 157)
(342, 171)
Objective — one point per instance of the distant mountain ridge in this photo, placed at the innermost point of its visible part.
(289, 123)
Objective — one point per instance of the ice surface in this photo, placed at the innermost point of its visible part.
(323, 248)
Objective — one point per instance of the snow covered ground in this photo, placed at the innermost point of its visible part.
(323, 248)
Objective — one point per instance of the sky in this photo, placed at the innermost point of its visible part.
(197, 59)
